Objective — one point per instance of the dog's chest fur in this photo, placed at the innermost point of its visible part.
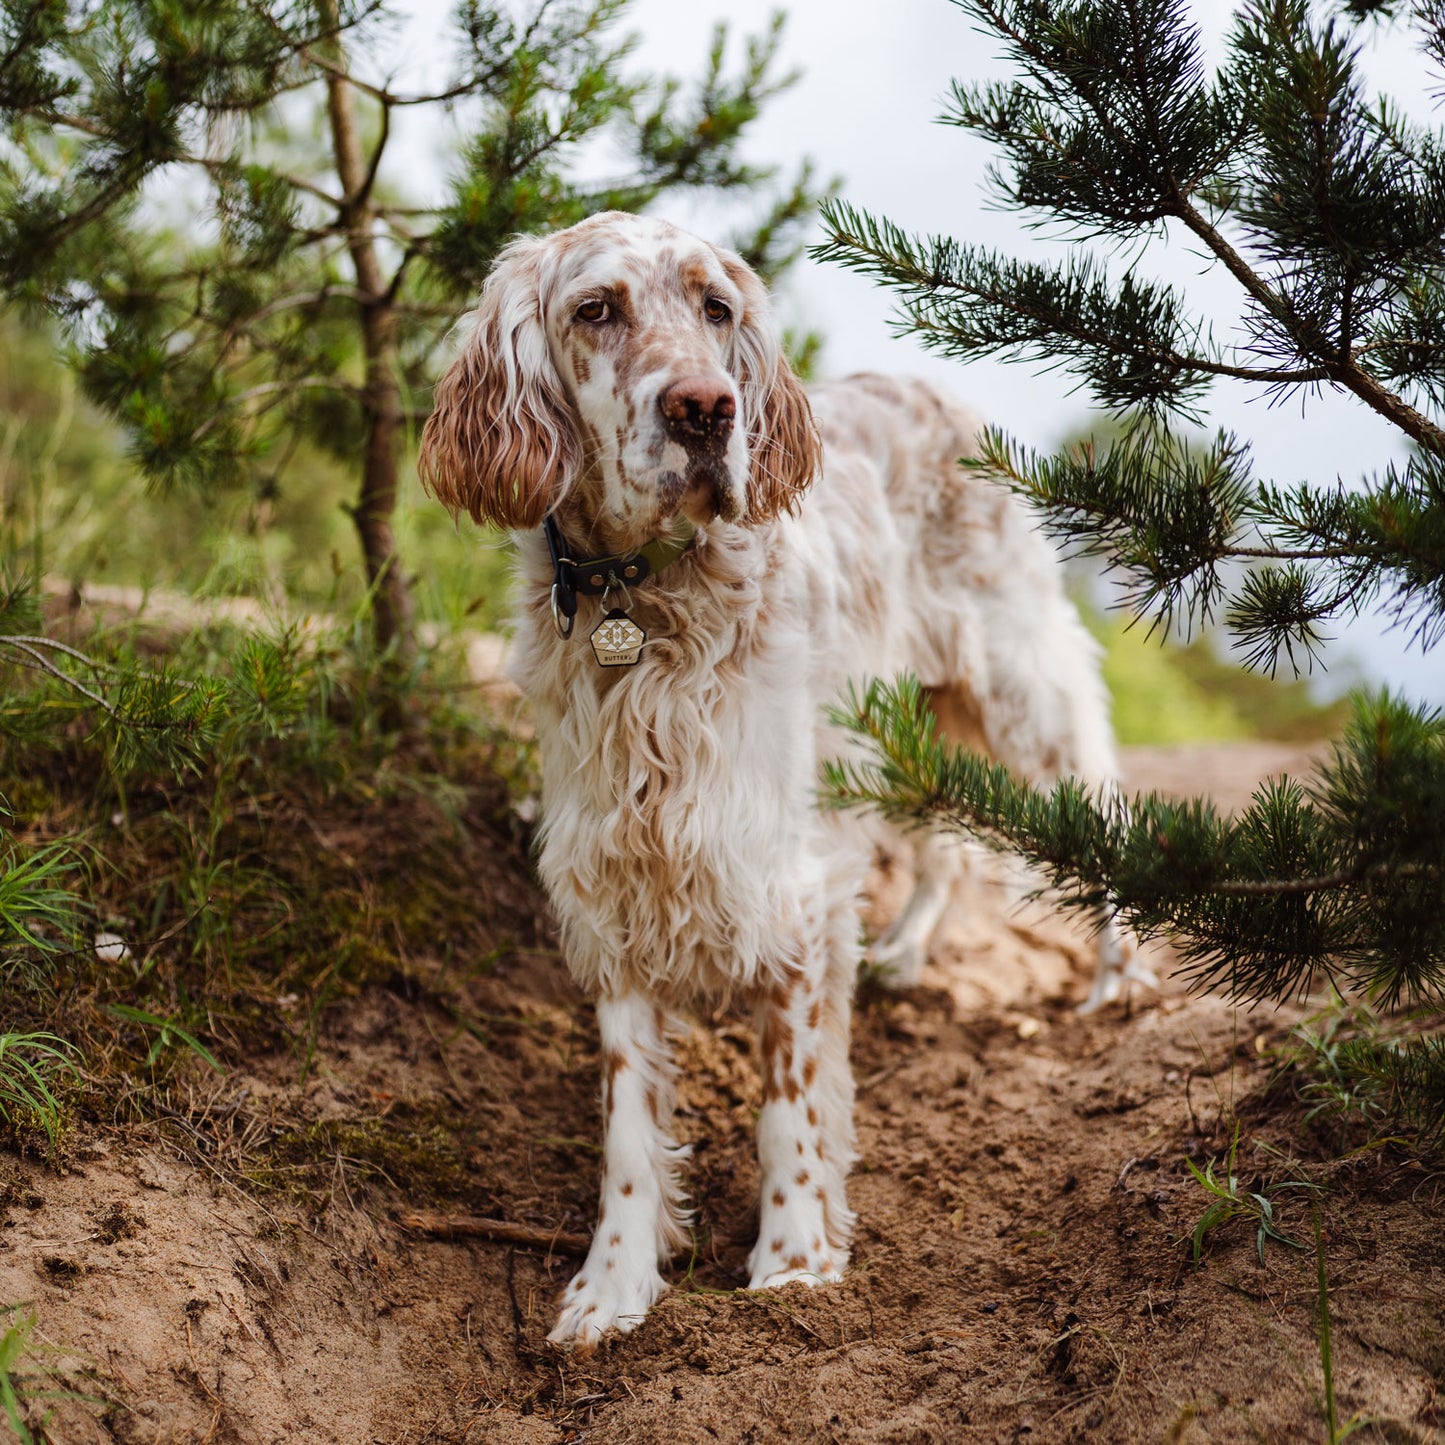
(677, 821)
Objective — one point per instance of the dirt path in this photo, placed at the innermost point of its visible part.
(1019, 1272)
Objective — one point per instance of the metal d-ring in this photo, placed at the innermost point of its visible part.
(557, 617)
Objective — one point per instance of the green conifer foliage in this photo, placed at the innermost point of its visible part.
(1327, 207)
(202, 191)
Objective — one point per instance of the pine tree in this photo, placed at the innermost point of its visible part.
(1327, 207)
(310, 302)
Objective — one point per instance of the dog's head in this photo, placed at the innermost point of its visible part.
(629, 371)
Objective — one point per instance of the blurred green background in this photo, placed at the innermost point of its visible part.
(76, 511)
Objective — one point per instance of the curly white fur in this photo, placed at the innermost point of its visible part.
(679, 841)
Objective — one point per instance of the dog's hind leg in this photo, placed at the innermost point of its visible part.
(1046, 716)
(902, 949)
(641, 1222)
(1118, 965)
(1118, 961)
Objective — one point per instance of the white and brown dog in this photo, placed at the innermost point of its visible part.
(623, 405)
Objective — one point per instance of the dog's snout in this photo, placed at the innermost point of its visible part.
(698, 409)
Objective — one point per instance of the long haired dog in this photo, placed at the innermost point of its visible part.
(686, 607)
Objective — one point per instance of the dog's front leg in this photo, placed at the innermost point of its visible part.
(640, 1221)
(805, 1132)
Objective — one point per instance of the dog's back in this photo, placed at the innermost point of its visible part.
(937, 569)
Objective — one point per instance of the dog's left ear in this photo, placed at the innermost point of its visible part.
(785, 451)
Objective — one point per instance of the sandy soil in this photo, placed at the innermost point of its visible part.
(1021, 1269)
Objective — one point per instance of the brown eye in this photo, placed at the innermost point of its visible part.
(715, 310)
(593, 312)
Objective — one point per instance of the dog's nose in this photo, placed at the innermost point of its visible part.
(698, 409)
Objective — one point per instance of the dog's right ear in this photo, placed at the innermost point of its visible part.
(500, 443)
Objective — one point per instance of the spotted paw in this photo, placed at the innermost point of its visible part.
(774, 1267)
(826, 1270)
(592, 1307)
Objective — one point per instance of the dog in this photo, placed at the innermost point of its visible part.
(706, 554)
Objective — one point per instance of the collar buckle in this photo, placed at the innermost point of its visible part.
(597, 576)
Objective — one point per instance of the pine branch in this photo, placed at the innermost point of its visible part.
(33, 657)
(238, 403)
(1338, 879)
(1344, 371)
(1114, 129)
(1165, 514)
(306, 300)
(144, 715)
(1170, 517)
(1113, 114)
(1130, 339)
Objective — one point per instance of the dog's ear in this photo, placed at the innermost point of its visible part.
(500, 443)
(785, 451)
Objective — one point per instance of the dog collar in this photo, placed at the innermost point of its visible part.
(597, 576)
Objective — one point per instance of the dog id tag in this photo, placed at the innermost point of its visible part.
(617, 640)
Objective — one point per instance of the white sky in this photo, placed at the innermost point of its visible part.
(874, 80)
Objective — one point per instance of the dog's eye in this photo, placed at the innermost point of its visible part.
(593, 312)
(715, 310)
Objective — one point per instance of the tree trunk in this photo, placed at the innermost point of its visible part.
(381, 402)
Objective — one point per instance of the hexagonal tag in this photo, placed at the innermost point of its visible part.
(617, 640)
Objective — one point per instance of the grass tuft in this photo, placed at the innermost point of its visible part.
(32, 1373)
(32, 1067)
(1367, 1075)
(39, 909)
(1230, 1199)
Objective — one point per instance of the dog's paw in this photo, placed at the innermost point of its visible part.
(1113, 979)
(591, 1307)
(895, 963)
(1137, 971)
(777, 1265)
(826, 1270)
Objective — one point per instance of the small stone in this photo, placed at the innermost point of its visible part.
(111, 948)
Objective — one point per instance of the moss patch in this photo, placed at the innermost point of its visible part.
(411, 1150)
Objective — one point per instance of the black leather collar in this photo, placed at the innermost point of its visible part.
(596, 576)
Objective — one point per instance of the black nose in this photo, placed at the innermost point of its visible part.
(698, 409)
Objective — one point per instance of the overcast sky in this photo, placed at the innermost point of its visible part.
(875, 74)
